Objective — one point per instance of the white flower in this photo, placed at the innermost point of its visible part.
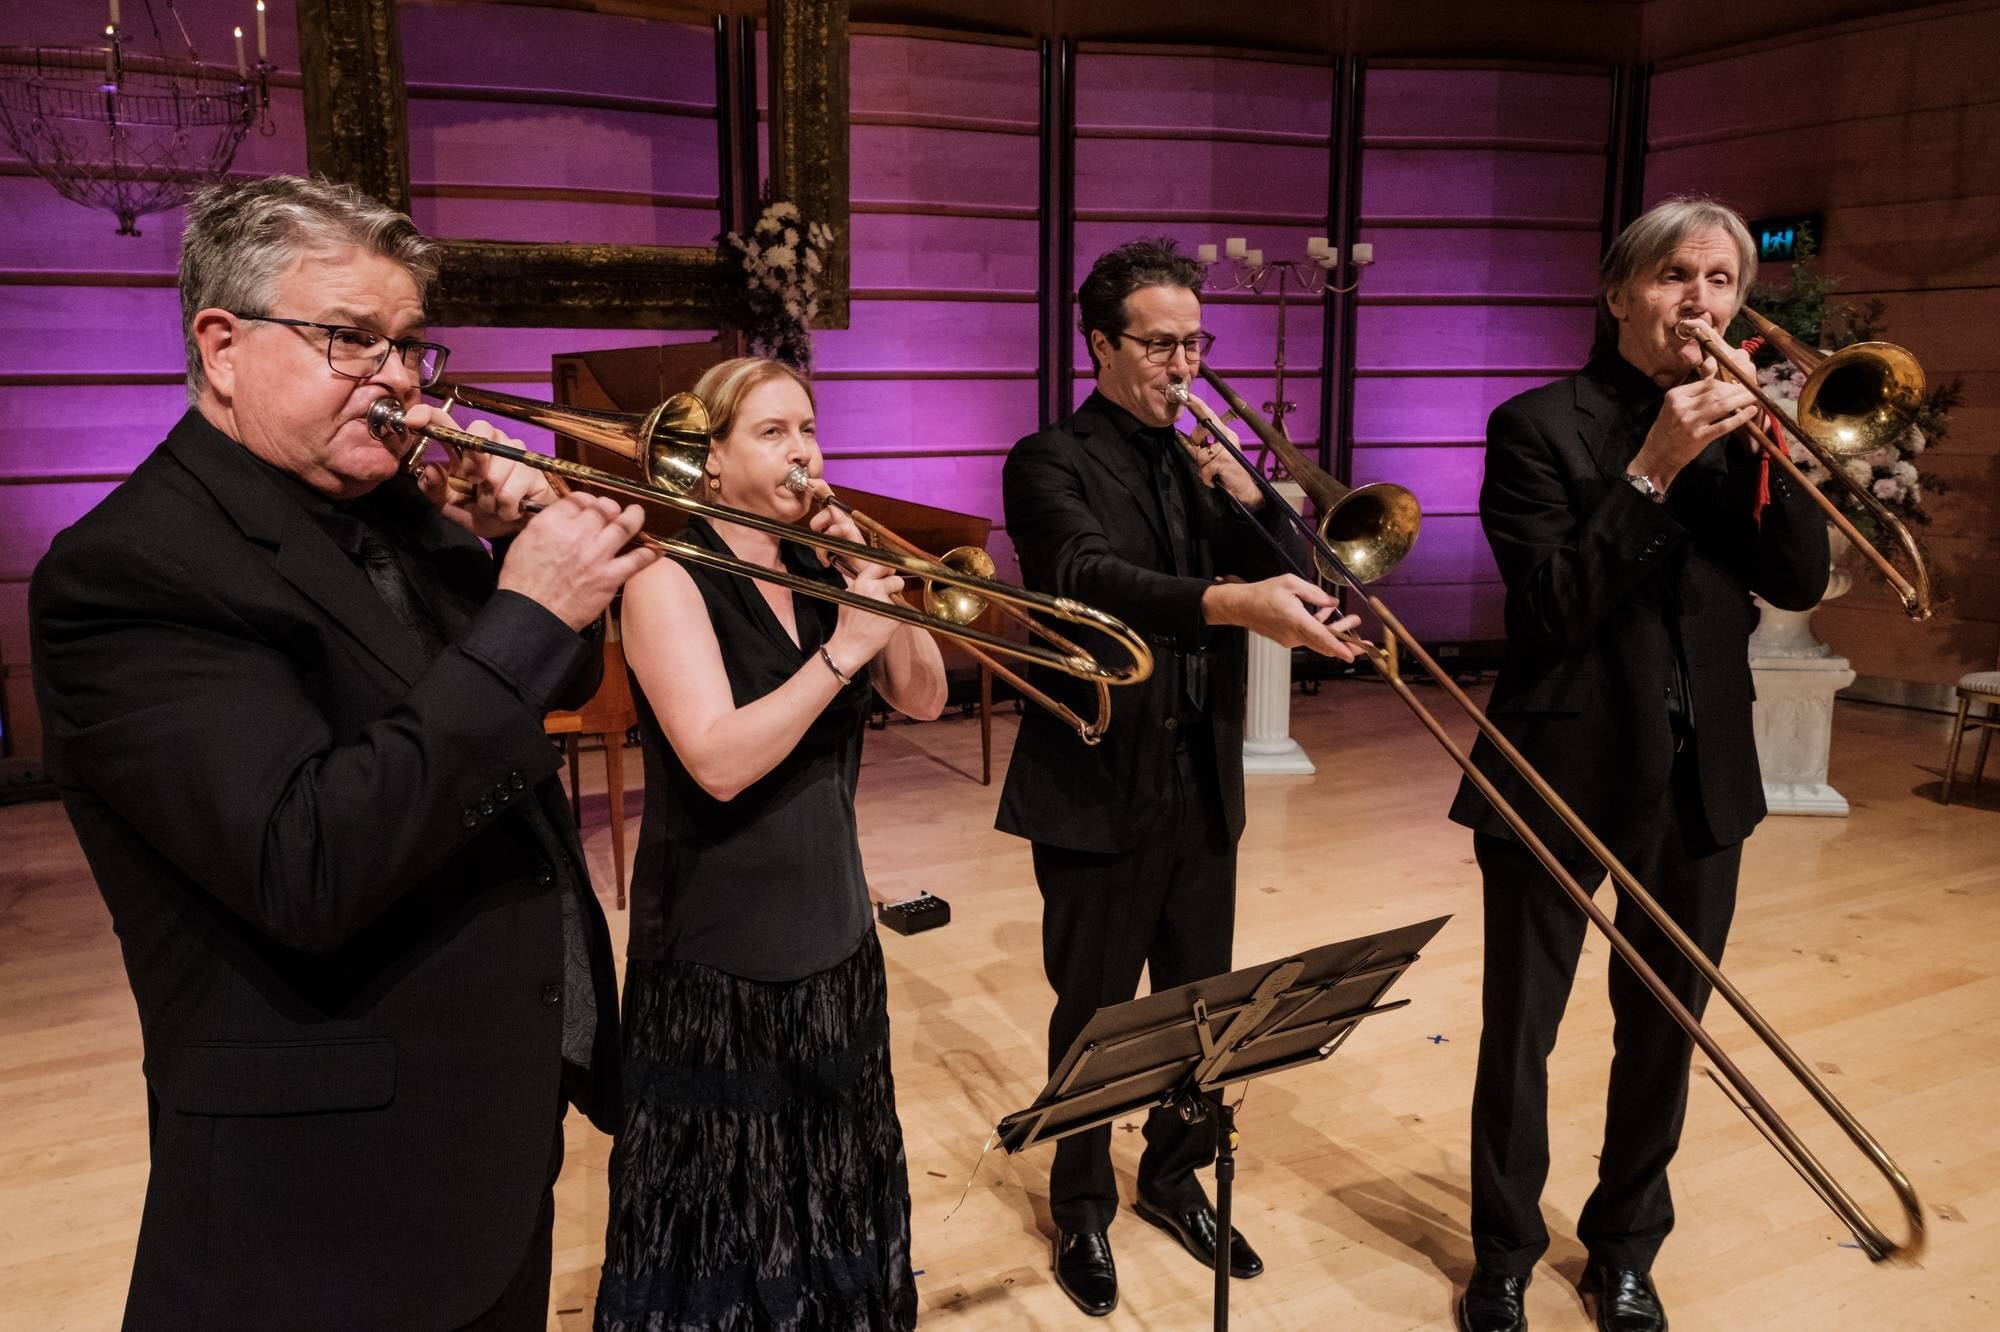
(791, 235)
(1858, 471)
(1880, 458)
(783, 209)
(1905, 472)
(780, 256)
(1913, 442)
(1887, 488)
(812, 261)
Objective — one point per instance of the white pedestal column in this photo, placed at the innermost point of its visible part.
(1797, 677)
(1267, 722)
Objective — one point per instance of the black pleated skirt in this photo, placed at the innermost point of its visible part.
(758, 1178)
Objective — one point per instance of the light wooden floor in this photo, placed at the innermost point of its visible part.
(1871, 942)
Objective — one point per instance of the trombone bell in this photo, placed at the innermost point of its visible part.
(1861, 398)
(1371, 528)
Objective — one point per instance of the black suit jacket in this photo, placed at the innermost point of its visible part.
(343, 937)
(1602, 584)
(1086, 523)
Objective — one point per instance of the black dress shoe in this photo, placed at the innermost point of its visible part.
(1492, 1303)
(1194, 1226)
(1085, 1271)
(1624, 1299)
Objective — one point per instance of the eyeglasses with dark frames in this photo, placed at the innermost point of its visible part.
(1160, 350)
(356, 353)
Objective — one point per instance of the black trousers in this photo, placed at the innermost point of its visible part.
(1534, 933)
(1168, 905)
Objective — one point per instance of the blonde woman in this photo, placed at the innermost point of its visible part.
(758, 1178)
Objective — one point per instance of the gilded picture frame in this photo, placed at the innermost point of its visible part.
(357, 130)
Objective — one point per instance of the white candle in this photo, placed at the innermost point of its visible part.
(114, 13)
(1362, 254)
(1255, 259)
(263, 51)
(1235, 247)
(1206, 253)
(1330, 259)
(242, 69)
(109, 45)
(1315, 246)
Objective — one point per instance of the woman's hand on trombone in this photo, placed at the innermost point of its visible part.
(487, 496)
(1287, 610)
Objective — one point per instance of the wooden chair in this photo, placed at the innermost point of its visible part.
(1978, 687)
(608, 715)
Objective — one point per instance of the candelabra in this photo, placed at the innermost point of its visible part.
(1312, 276)
(130, 133)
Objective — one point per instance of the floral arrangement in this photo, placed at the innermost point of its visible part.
(782, 259)
(1802, 307)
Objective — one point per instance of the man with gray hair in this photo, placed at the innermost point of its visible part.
(294, 706)
(1630, 524)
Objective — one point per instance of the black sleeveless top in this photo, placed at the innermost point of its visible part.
(767, 886)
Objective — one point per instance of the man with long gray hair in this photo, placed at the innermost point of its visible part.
(294, 707)
(1631, 524)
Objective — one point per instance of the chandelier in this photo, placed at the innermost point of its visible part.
(127, 132)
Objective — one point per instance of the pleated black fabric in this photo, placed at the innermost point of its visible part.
(758, 1181)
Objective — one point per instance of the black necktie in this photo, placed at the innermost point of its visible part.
(1171, 489)
(392, 584)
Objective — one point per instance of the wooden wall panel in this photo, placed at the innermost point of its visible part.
(935, 375)
(1898, 125)
(1481, 190)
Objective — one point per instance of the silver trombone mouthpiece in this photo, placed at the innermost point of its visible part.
(799, 481)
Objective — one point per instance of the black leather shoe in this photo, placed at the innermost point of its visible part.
(1492, 1303)
(1085, 1271)
(1194, 1226)
(1623, 1299)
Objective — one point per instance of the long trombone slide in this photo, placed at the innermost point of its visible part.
(961, 610)
(1916, 596)
(385, 420)
(1386, 656)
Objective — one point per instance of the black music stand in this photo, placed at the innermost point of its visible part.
(1165, 1049)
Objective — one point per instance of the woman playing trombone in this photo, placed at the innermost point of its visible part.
(758, 1176)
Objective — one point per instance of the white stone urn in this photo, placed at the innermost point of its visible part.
(1796, 677)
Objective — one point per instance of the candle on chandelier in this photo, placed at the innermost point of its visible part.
(242, 68)
(1315, 246)
(1235, 247)
(110, 46)
(114, 13)
(1205, 253)
(263, 51)
(1363, 253)
(1255, 259)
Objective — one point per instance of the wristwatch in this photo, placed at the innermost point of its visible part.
(1644, 485)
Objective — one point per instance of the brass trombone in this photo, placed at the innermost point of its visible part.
(1854, 401)
(960, 606)
(1387, 659)
(664, 443)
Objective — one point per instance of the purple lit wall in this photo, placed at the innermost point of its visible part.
(1481, 191)
(935, 377)
(1202, 148)
(90, 351)
(565, 126)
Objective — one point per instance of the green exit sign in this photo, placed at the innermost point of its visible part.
(1779, 239)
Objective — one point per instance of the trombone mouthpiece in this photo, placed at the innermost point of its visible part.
(1178, 391)
(799, 481)
(385, 418)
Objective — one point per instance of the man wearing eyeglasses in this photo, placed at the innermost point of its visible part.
(294, 706)
(1135, 837)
